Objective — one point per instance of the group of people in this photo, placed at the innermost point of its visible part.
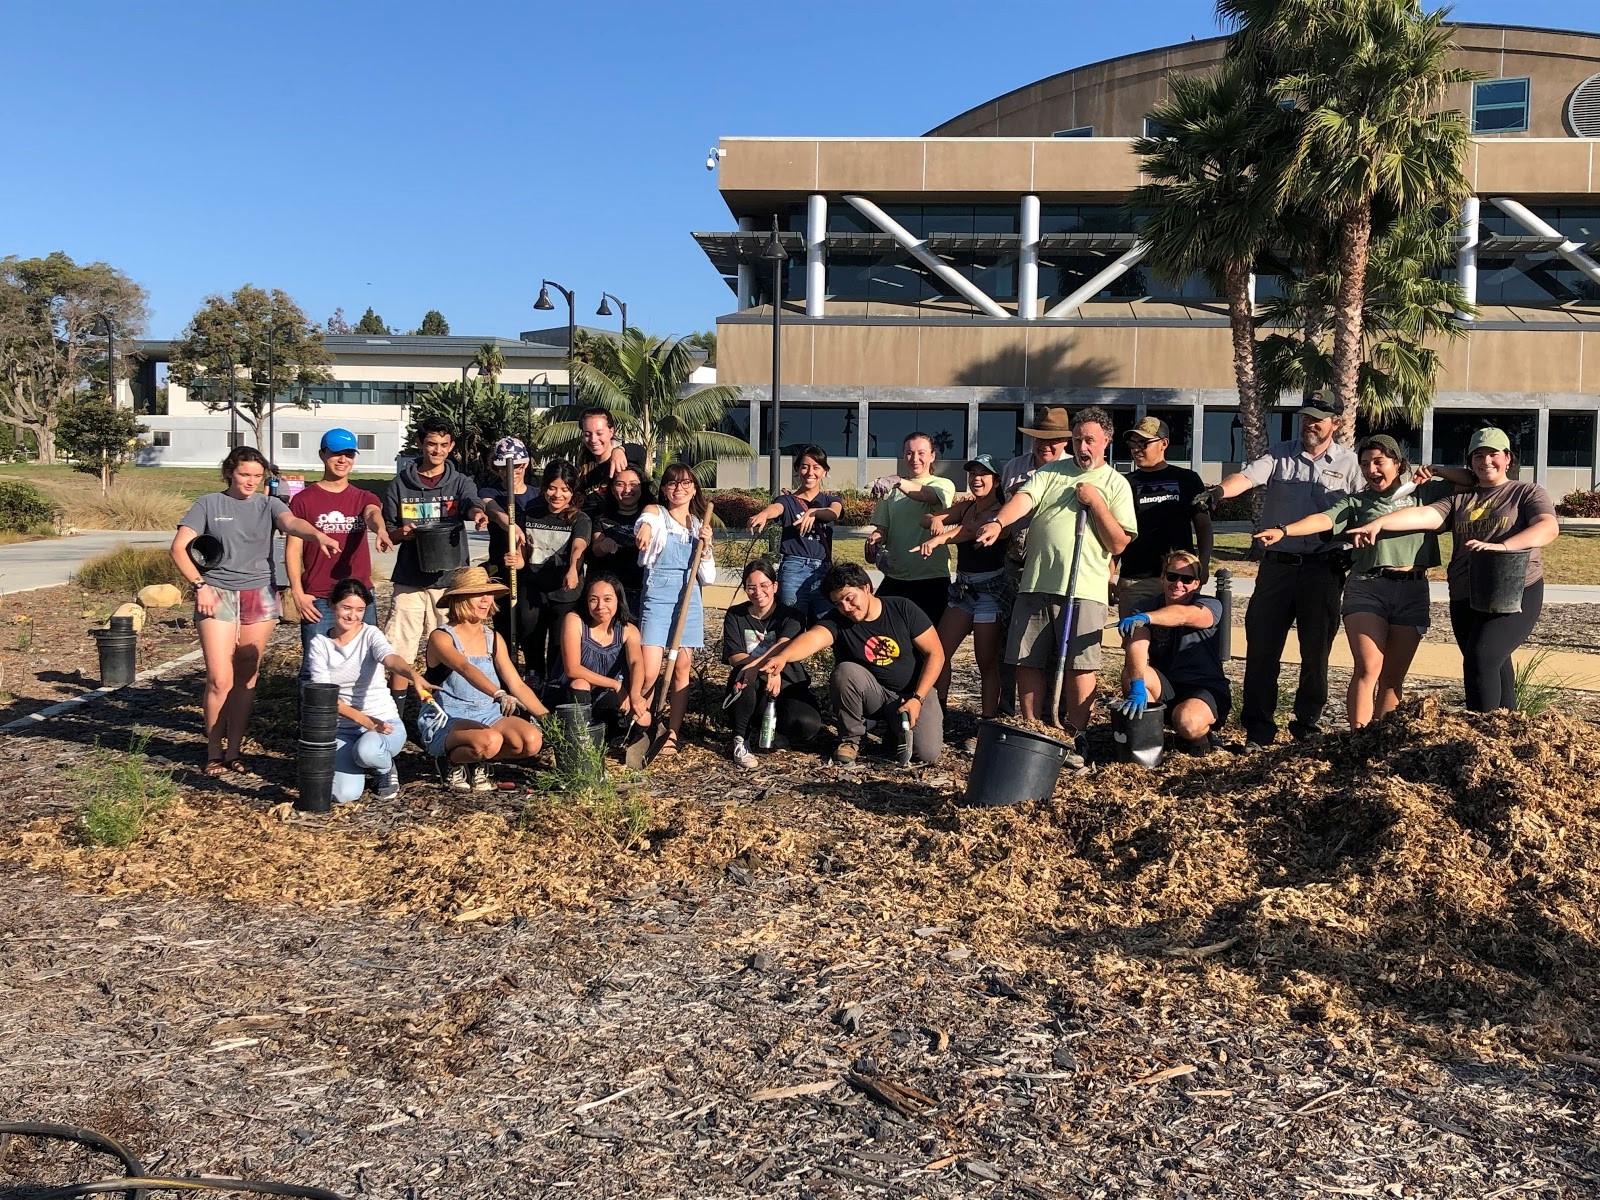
(596, 586)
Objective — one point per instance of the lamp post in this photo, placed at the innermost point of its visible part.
(773, 253)
(544, 305)
(103, 325)
(605, 309)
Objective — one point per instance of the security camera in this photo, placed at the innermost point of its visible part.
(713, 155)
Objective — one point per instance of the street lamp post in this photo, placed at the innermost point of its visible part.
(105, 326)
(544, 305)
(773, 252)
(605, 309)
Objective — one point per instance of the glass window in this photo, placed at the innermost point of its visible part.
(366, 441)
(1535, 279)
(1453, 429)
(1180, 423)
(1500, 106)
(161, 437)
(1409, 436)
(1156, 129)
(1572, 439)
(999, 433)
(1222, 440)
(736, 422)
(291, 441)
(832, 427)
(890, 425)
(235, 440)
(1076, 131)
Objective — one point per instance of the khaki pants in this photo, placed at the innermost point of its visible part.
(413, 615)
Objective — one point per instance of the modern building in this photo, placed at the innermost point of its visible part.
(954, 282)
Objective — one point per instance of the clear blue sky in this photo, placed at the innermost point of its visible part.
(413, 156)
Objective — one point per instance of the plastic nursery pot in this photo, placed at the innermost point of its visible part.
(1496, 580)
(314, 768)
(574, 718)
(118, 653)
(440, 547)
(593, 735)
(1013, 765)
(1141, 739)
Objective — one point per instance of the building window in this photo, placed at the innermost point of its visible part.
(1453, 429)
(1076, 131)
(161, 437)
(1222, 438)
(291, 441)
(1156, 129)
(1408, 437)
(889, 425)
(999, 433)
(1572, 439)
(1500, 106)
(366, 441)
(830, 427)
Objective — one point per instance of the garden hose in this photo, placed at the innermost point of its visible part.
(87, 1138)
(180, 1183)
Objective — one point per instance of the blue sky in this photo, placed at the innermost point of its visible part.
(413, 156)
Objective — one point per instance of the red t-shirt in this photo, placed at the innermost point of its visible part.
(337, 514)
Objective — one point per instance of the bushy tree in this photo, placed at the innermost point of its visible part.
(705, 339)
(338, 323)
(99, 437)
(371, 322)
(434, 324)
(489, 362)
(481, 414)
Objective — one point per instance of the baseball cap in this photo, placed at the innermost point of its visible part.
(1489, 438)
(1321, 407)
(1382, 441)
(508, 451)
(982, 462)
(1149, 429)
(339, 441)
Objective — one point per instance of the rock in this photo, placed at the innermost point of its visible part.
(160, 595)
(135, 611)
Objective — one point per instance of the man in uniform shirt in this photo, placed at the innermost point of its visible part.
(1163, 500)
(1301, 579)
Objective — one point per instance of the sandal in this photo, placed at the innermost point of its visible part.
(668, 747)
(238, 765)
(215, 768)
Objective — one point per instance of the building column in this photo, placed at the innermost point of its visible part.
(861, 443)
(1028, 264)
(816, 267)
(1541, 454)
(1197, 434)
(1594, 462)
(1425, 451)
(746, 270)
(1467, 256)
(756, 461)
(972, 429)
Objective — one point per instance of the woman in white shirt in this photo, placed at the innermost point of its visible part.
(355, 656)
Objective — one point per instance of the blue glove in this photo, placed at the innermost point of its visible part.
(1128, 624)
(1138, 699)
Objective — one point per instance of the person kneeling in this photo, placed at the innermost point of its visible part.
(474, 718)
(887, 657)
(1171, 655)
(600, 657)
(353, 655)
(750, 632)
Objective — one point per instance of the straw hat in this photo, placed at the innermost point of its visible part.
(469, 581)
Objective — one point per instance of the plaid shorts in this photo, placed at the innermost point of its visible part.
(249, 607)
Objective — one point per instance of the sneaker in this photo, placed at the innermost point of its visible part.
(456, 780)
(482, 781)
(741, 755)
(387, 784)
(1078, 757)
(846, 755)
(970, 746)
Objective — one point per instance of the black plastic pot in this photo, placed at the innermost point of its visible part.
(118, 653)
(574, 719)
(441, 546)
(593, 735)
(1013, 765)
(314, 767)
(1141, 739)
(204, 552)
(319, 711)
(1496, 580)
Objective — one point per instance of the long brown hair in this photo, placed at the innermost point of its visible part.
(700, 505)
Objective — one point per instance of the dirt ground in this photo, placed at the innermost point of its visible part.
(1365, 966)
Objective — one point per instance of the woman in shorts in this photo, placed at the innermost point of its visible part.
(236, 604)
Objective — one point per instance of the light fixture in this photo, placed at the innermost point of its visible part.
(605, 308)
(543, 302)
(713, 156)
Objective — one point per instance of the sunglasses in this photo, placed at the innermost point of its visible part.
(1176, 577)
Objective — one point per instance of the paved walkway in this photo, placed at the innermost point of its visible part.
(51, 562)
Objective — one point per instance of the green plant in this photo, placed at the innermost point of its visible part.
(581, 778)
(735, 506)
(99, 437)
(858, 508)
(122, 791)
(1579, 504)
(24, 508)
(129, 506)
(127, 569)
(1536, 692)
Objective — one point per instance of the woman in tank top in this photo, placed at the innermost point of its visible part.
(600, 655)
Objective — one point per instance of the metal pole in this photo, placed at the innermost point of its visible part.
(775, 481)
(1225, 630)
(623, 305)
(572, 337)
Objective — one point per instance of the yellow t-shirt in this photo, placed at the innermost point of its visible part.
(900, 518)
(1048, 562)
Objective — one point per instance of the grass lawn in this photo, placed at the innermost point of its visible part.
(1573, 558)
(190, 482)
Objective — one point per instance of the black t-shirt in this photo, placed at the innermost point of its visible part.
(548, 548)
(1163, 505)
(884, 646)
(745, 633)
(499, 539)
(1189, 657)
(818, 544)
(594, 478)
(624, 561)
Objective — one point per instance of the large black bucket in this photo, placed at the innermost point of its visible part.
(591, 735)
(118, 648)
(314, 767)
(574, 719)
(1013, 765)
(1496, 580)
(441, 546)
(319, 711)
(1140, 739)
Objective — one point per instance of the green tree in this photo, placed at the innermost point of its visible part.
(434, 324)
(1366, 79)
(337, 323)
(99, 437)
(253, 352)
(705, 339)
(489, 362)
(647, 392)
(52, 338)
(371, 322)
(481, 414)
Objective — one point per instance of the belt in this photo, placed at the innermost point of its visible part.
(1395, 573)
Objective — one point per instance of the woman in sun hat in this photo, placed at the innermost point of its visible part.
(478, 693)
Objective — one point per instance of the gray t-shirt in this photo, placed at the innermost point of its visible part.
(244, 527)
(1299, 484)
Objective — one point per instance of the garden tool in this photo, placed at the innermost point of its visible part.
(1067, 616)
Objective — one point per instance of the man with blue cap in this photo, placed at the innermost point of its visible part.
(345, 513)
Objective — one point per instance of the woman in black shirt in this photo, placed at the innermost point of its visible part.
(549, 562)
(750, 632)
(614, 547)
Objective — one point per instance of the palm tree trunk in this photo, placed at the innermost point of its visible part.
(1355, 237)
(1242, 325)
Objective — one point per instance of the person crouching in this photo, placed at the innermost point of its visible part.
(1171, 655)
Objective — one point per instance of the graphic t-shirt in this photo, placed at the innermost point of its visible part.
(337, 514)
(1048, 565)
(1491, 514)
(816, 545)
(884, 646)
(900, 518)
(594, 478)
(1407, 551)
(548, 548)
(357, 667)
(745, 633)
(244, 527)
(1163, 505)
(1188, 657)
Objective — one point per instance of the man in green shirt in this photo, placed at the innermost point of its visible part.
(1054, 496)
(899, 529)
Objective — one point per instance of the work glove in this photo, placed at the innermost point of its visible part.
(1128, 624)
(1208, 500)
(1138, 700)
(509, 704)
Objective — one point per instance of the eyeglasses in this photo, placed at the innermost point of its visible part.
(679, 483)
(1177, 577)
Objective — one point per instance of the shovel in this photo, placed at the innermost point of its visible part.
(511, 572)
(635, 750)
(664, 680)
(1067, 618)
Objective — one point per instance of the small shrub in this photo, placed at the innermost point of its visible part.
(123, 791)
(1534, 691)
(1236, 508)
(580, 777)
(858, 508)
(1579, 504)
(130, 506)
(735, 506)
(127, 569)
(25, 509)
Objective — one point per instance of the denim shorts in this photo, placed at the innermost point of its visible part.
(981, 595)
(1397, 601)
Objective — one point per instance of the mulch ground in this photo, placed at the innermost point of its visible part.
(1363, 966)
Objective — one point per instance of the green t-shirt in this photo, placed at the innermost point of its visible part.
(1048, 562)
(1405, 551)
(900, 518)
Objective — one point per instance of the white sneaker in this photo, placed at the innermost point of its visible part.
(387, 784)
(741, 755)
(457, 780)
(482, 781)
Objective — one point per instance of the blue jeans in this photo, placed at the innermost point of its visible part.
(355, 756)
(800, 585)
(323, 623)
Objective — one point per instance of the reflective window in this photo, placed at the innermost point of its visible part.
(1156, 129)
(1077, 131)
(291, 441)
(1180, 423)
(829, 426)
(1535, 279)
(1572, 439)
(1222, 439)
(366, 441)
(890, 425)
(1500, 106)
(161, 437)
(998, 433)
(1453, 429)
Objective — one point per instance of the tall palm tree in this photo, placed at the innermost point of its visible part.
(645, 387)
(1213, 202)
(1366, 77)
(489, 362)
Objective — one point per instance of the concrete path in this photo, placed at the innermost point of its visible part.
(1439, 592)
(51, 562)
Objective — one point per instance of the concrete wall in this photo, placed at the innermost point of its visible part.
(201, 440)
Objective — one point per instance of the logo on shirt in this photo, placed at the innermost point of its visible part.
(333, 523)
(881, 651)
(1164, 492)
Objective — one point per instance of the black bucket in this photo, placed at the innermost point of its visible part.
(1141, 739)
(441, 547)
(593, 735)
(1496, 580)
(319, 711)
(314, 768)
(118, 653)
(574, 719)
(1013, 765)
